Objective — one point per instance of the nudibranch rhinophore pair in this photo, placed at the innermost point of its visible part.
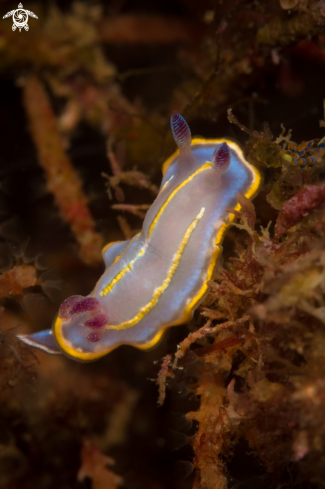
(157, 279)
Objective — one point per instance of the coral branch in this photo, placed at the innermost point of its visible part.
(208, 443)
(161, 379)
(62, 180)
(137, 210)
(94, 465)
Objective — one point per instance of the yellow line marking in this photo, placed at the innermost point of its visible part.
(117, 258)
(159, 290)
(128, 268)
(166, 183)
(206, 166)
(109, 245)
(188, 310)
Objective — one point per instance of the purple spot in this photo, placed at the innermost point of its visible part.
(221, 157)
(87, 304)
(97, 322)
(94, 337)
(180, 130)
(68, 304)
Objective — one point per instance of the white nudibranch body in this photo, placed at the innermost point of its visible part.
(158, 278)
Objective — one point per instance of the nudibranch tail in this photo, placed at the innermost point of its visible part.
(43, 340)
(181, 131)
(221, 157)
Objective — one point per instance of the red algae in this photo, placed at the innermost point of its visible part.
(305, 201)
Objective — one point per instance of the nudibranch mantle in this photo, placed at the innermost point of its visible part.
(158, 278)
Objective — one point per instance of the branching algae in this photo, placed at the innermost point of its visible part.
(158, 278)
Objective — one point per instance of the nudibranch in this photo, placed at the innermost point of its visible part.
(156, 279)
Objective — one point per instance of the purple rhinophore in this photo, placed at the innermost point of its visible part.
(221, 157)
(180, 130)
